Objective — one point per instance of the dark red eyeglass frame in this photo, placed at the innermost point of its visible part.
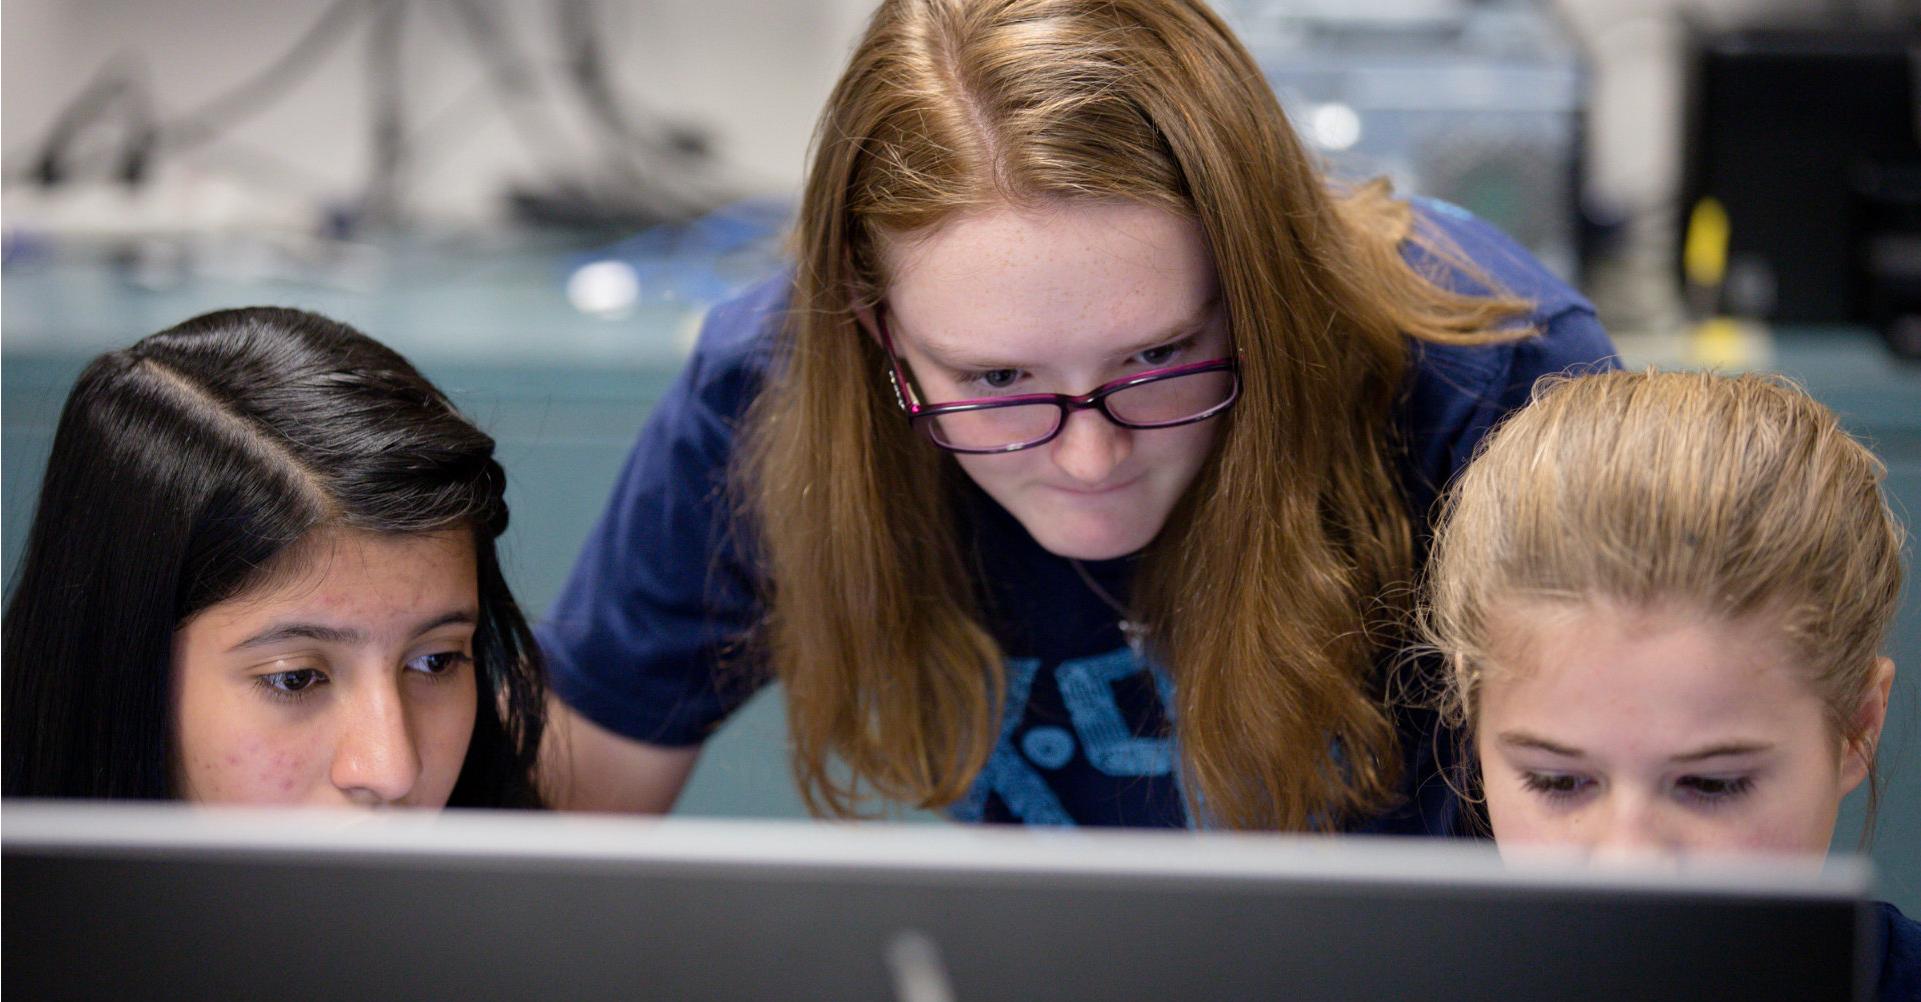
(1096, 399)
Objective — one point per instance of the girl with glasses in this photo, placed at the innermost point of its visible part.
(1077, 473)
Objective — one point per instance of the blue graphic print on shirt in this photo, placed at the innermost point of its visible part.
(1087, 685)
(1100, 733)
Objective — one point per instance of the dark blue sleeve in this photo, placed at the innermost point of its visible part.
(1901, 956)
(1452, 397)
(662, 591)
(1457, 393)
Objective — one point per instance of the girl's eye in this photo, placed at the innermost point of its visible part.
(292, 684)
(1714, 789)
(438, 663)
(1165, 354)
(1556, 785)
(997, 379)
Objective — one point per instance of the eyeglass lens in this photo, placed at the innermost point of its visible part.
(1161, 402)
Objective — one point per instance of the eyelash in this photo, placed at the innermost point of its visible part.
(1173, 348)
(978, 378)
(1729, 789)
(316, 678)
(1553, 786)
(454, 659)
(266, 684)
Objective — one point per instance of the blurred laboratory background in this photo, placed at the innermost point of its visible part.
(536, 201)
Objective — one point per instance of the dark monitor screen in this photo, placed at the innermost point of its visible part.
(125, 902)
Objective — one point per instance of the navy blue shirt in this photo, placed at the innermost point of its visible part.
(662, 589)
(1900, 976)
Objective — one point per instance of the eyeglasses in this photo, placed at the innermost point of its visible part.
(1157, 398)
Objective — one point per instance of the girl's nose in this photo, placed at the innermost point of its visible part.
(1634, 829)
(1090, 447)
(375, 761)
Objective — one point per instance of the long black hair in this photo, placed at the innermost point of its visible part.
(181, 467)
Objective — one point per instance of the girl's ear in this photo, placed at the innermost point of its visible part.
(858, 301)
(1864, 731)
(864, 315)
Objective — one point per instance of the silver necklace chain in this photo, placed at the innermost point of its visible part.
(1134, 633)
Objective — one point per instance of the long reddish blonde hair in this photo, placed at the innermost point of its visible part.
(1266, 590)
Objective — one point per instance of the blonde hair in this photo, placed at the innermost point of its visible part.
(1258, 589)
(1726, 497)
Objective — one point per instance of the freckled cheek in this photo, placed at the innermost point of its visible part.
(279, 772)
(1785, 829)
(1516, 826)
(254, 769)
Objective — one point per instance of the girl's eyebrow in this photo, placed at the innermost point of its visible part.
(1522, 739)
(463, 617)
(1722, 749)
(343, 636)
(956, 357)
(1184, 327)
(301, 631)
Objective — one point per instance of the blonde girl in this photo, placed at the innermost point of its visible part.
(1662, 598)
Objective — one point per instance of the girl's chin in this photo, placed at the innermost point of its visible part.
(1089, 542)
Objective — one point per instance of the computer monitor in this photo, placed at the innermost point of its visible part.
(138, 901)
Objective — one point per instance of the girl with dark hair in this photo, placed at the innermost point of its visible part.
(262, 570)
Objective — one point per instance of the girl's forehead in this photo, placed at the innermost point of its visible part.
(346, 574)
(1113, 269)
(1610, 667)
(1040, 345)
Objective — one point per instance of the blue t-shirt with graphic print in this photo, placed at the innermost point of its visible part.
(663, 589)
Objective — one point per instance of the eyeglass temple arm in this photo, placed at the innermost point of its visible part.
(903, 385)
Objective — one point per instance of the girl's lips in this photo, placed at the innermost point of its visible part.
(1095, 491)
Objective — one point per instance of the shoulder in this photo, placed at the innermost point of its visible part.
(1455, 393)
(737, 344)
(664, 585)
(1567, 336)
(1901, 957)
(1503, 265)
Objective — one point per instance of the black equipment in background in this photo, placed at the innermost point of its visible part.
(1811, 141)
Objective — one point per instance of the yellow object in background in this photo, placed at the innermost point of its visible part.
(1704, 258)
(1721, 343)
(1716, 341)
